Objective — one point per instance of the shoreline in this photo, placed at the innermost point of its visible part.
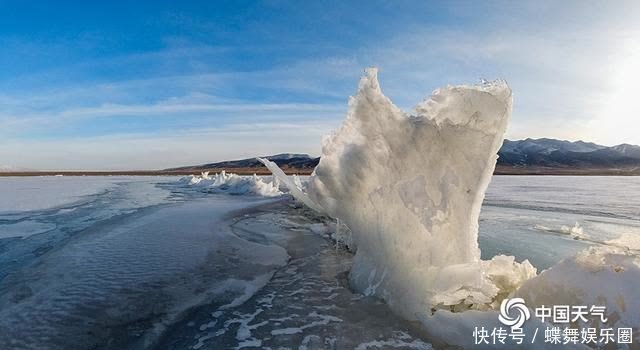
(558, 171)
(500, 170)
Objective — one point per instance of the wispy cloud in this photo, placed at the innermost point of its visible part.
(197, 99)
(164, 150)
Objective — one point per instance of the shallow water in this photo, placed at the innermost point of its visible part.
(147, 263)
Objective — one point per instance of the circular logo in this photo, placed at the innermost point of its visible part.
(513, 312)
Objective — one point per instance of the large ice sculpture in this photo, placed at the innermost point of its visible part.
(410, 189)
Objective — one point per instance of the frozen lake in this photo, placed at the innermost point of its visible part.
(147, 262)
(535, 217)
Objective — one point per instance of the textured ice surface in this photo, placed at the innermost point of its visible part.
(154, 247)
(306, 305)
(120, 283)
(234, 184)
(410, 187)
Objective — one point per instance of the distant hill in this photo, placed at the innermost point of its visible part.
(550, 153)
(530, 156)
(290, 162)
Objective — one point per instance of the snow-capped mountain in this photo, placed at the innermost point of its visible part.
(557, 153)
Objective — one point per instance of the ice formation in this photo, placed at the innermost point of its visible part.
(294, 188)
(597, 276)
(410, 187)
(234, 184)
(576, 231)
(601, 276)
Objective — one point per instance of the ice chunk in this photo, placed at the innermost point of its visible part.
(234, 184)
(575, 231)
(294, 187)
(601, 276)
(598, 276)
(410, 189)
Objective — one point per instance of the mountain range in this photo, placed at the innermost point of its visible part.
(521, 157)
(529, 156)
(564, 156)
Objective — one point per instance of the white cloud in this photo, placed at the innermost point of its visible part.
(184, 147)
(568, 64)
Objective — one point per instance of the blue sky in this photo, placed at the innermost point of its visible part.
(155, 84)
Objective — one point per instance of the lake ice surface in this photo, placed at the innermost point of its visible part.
(132, 262)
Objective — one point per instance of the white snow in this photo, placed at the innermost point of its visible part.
(234, 184)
